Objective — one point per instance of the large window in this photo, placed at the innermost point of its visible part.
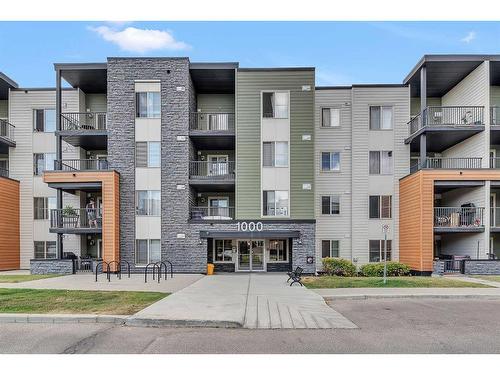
(147, 154)
(148, 203)
(380, 162)
(275, 104)
(278, 251)
(275, 203)
(44, 120)
(380, 118)
(147, 104)
(330, 161)
(330, 205)
(275, 154)
(330, 248)
(45, 249)
(42, 207)
(330, 117)
(43, 162)
(223, 250)
(380, 206)
(377, 250)
(147, 251)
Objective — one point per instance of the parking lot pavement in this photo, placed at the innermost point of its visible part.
(385, 326)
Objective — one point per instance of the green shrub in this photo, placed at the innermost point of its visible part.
(377, 269)
(338, 267)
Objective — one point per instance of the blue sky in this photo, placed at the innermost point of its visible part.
(342, 52)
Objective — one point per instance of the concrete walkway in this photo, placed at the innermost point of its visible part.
(243, 300)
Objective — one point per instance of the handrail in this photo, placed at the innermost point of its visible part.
(7, 130)
(458, 217)
(85, 218)
(81, 164)
(447, 163)
(211, 121)
(89, 121)
(447, 116)
(212, 170)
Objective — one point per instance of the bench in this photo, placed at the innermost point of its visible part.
(295, 276)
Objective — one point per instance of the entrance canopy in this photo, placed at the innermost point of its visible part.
(250, 235)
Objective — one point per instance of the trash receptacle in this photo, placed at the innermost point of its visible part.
(210, 269)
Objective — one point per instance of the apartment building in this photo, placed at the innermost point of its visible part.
(148, 159)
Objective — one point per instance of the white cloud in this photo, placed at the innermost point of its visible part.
(471, 35)
(140, 40)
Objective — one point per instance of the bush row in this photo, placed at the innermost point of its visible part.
(344, 267)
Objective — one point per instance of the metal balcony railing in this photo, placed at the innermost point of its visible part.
(445, 163)
(458, 217)
(494, 162)
(7, 130)
(4, 172)
(211, 122)
(207, 170)
(81, 164)
(495, 217)
(76, 218)
(447, 116)
(495, 115)
(78, 121)
(211, 213)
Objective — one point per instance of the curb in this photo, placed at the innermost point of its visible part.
(62, 318)
(412, 296)
(151, 322)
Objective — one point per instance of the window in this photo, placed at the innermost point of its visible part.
(45, 249)
(275, 104)
(330, 205)
(44, 120)
(147, 251)
(380, 162)
(330, 248)
(147, 104)
(43, 162)
(380, 206)
(330, 161)
(148, 203)
(377, 250)
(275, 154)
(223, 250)
(330, 117)
(147, 154)
(275, 203)
(380, 118)
(278, 251)
(42, 207)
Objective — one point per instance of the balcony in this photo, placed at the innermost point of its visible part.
(212, 130)
(458, 219)
(495, 219)
(69, 165)
(4, 172)
(84, 129)
(204, 213)
(6, 136)
(495, 116)
(76, 220)
(212, 176)
(445, 163)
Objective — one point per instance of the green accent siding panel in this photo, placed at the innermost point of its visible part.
(216, 103)
(249, 85)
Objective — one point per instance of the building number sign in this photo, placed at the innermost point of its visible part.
(250, 226)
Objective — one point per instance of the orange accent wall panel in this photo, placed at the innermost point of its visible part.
(9, 224)
(416, 212)
(110, 181)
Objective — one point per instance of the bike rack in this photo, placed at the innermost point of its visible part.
(118, 269)
(155, 266)
(128, 267)
(102, 263)
(171, 268)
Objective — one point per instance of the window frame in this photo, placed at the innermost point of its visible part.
(149, 204)
(274, 92)
(262, 203)
(330, 170)
(380, 207)
(45, 247)
(35, 120)
(148, 115)
(380, 163)
(45, 209)
(286, 252)
(330, 196)
(214, 251)
(380, 117)
(380, 250)
(148, 154)
(45, 160)
(321, 124)
(148, 250)
(330, 241)
(274, 153)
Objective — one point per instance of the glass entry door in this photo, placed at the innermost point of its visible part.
(251, 255)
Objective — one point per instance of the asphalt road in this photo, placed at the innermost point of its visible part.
(385, 326)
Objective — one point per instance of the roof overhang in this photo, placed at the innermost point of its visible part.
(91, 78)
(251, 235)
(6, 84)
(214, 78)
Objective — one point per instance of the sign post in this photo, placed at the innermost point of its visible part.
(385, 229)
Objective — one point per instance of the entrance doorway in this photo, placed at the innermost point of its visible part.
(251, 255)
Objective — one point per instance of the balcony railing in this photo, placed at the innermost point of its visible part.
(495, 217)
(4, 172)
(81, 165)
(445, 163)
(447, 116)
(494, 162)
(458, 217)
(81, 121)
(76, 218)
(206, 170)
(212, 213)
(7, 130)
(211, 122)
(495, 115)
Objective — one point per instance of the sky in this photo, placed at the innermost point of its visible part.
(343, 53)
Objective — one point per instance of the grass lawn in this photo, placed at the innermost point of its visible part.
(489, 277)
(23, 278)
(392, 282)
(45, 301)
